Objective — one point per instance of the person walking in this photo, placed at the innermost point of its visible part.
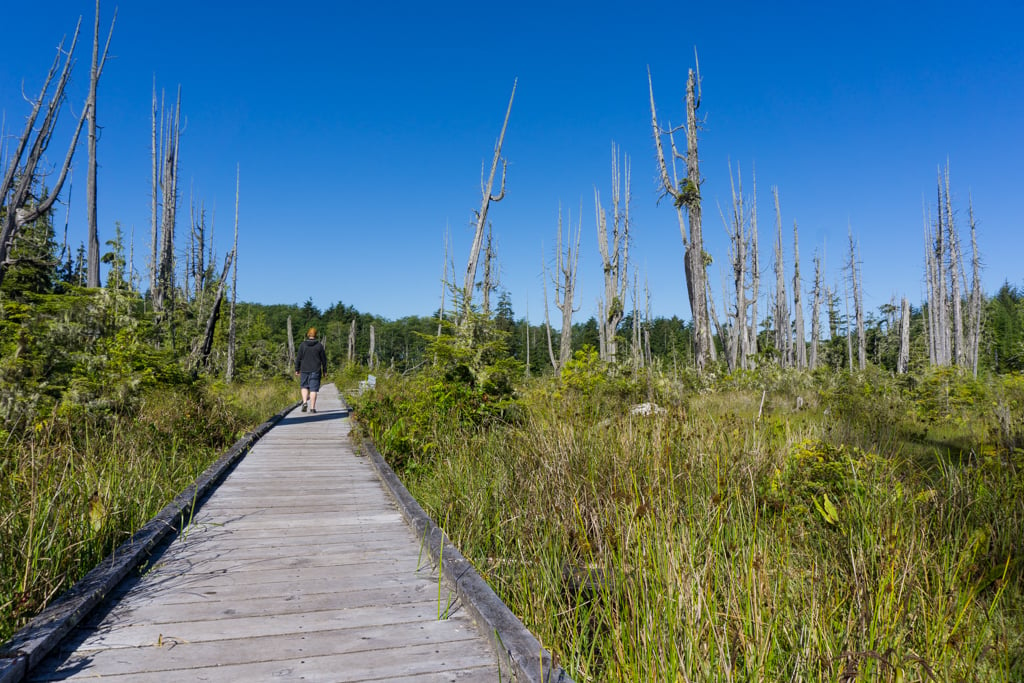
(310, 366)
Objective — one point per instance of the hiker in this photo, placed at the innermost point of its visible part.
(310, 366)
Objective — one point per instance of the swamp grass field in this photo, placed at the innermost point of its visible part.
(766, 526)
(76, 485)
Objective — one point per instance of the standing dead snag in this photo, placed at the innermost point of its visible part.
(800, 344)
(203, 355)
(816, 313)
(614, 263)
(234, 287)
(742, 337)
(93, 276)
(685, 194)
(783, 338)
(903, 362)
(974, 310)
(564, 281)
(163, 295)
(481, 215)
(22, 172)
(858, 307)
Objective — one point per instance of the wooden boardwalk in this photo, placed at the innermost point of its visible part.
(299, 566)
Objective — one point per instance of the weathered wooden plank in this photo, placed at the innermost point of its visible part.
(372, 665)
(170, 655)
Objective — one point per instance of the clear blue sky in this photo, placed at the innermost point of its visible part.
(361, 128)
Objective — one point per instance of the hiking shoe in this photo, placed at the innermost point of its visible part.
(304, 406)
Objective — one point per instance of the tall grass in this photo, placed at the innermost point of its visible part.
(76, 484)
(869, 535)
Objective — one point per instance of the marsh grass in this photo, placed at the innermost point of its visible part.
(872, 534)
(76, 484)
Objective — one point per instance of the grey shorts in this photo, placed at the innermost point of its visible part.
(310, 380)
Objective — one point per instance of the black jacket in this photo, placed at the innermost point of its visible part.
(311, 357)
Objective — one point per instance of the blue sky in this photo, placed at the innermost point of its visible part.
(360, 131)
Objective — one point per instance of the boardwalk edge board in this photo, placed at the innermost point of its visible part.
(29, 646)
(518, 647)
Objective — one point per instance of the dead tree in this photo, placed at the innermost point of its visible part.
(903, 361)
(816, 313)
(955, 271)
(738, 343)
(547, 318)
(371, 357)
(352, 341)
(798, 312)
(163, 296)
(22, 173)
(481, 215)
(614, 256)
(974, 309)
(755, 271)
(783, 338)
(849, 331)
(444, 290)
(685, 193)
(858, 306)
(230, 374)
(566, 267)
(155, 195)
(202, 360)
(93, 276)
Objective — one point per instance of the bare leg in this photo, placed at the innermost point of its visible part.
(305, 394)
(312, 400)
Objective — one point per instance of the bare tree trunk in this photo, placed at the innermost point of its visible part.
(686, 195)
(211, 322)
(234, 285)
(352, 341)
(487, 286)
(739, 338)
(903, 362)
(816, 313)
(942, 314)
(373, 347)
(614, 255)
(93, 277)
(975, 307)
(164, 295)
(567, 265)
(783, 339)
(155, 202)
(755, 273)
(481, 215)
(798, 311)
(20, 176)
(849, 331)
(547, 310)
(291, 345)
(444, 290)
(931, 296)
(955, 271)
(858, 307)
